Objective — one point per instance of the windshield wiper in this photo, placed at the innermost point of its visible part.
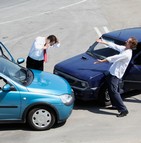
(96, 55)
(89, 53)
(93, 55)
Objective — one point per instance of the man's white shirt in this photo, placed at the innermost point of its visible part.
(120, 61)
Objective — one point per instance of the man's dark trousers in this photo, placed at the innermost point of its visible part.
(113, 88)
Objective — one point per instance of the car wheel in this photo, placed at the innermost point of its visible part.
(41, 118)
(103, 97)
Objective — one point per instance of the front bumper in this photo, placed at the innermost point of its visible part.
(86, 95)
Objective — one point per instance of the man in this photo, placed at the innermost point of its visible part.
(38, 52)
(117, 70)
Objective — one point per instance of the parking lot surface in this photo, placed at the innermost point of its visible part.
(77, 23)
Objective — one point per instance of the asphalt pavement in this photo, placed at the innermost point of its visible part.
(77, 24)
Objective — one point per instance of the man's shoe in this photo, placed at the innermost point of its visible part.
(123, 113)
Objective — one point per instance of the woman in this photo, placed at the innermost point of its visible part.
(38, 52)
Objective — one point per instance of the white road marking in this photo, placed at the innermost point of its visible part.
(99, 33)
(73, 4)
(28, 17)
(13, 6)
(105, 29)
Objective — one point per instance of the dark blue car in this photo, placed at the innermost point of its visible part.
(88, 79)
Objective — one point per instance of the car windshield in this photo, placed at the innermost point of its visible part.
(17, 73)
(101, 51)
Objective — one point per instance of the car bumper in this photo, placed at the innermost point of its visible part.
(87, 94)
(64, 112)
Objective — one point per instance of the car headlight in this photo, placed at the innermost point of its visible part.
(67, 99)
(84, 84)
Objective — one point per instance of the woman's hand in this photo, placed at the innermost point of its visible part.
(46, 45)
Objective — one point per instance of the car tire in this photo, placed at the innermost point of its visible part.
(41, 118)
(103, 96)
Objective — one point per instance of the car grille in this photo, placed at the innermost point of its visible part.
(74, 82)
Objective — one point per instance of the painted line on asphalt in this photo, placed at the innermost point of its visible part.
(73, 4)
(13, 6)
(61, 8)
(106, 29)
(99, 33)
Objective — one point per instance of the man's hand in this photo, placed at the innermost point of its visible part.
(100, 61)
(101, 41)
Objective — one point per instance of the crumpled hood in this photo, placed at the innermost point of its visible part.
(44, 82)
(82, 67)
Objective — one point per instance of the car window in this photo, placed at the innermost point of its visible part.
(137, 60)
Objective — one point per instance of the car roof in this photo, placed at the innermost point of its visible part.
(124, 34)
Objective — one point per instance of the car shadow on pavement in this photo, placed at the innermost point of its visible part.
(132, 96)
(93, 106)
(14, 126)
(24, 127)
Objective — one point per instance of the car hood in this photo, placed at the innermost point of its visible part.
(45, 82)
(82, 67)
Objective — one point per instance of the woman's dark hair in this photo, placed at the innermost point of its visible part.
(52, 38)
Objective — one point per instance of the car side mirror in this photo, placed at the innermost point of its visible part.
(20, 60)
(6, 87)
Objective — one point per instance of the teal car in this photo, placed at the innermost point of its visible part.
(39, 98)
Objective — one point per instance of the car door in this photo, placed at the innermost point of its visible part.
(5, 53)
(132, 78)
(9, 101)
